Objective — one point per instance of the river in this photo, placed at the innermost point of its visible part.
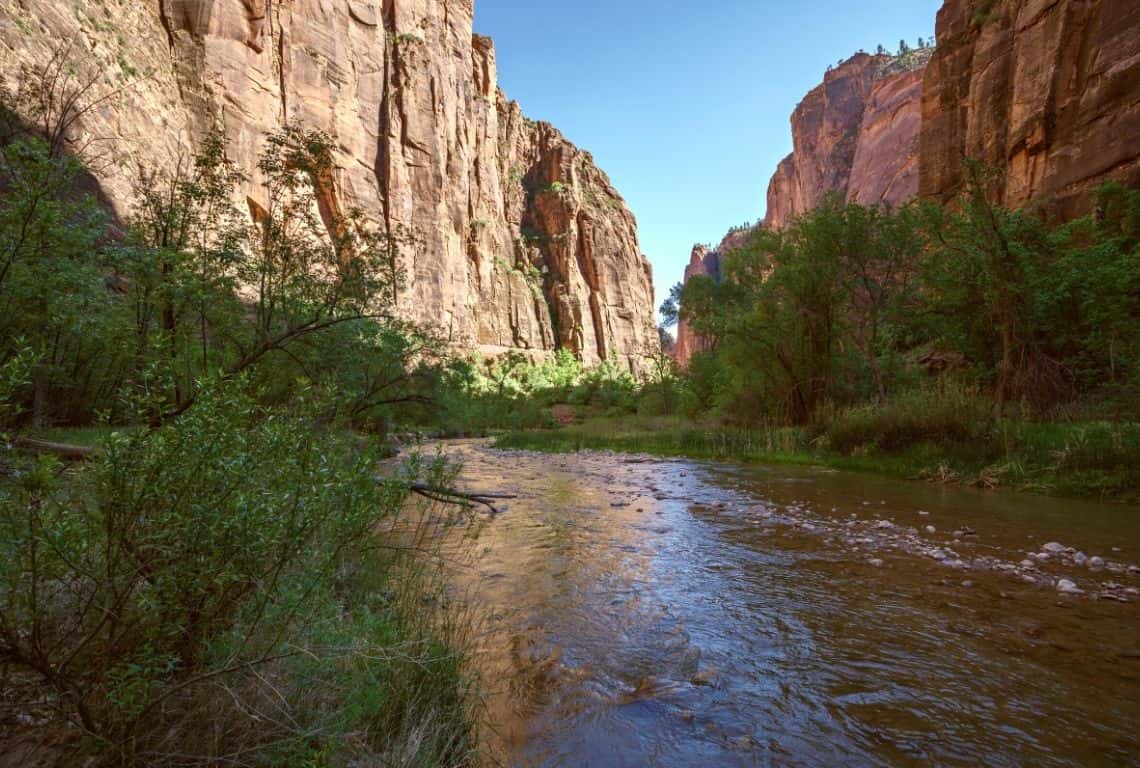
(654, 612)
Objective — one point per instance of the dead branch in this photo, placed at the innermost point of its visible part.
(460, 498)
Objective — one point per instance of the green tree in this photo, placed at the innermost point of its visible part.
(979, 284)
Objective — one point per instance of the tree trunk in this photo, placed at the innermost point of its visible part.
(1003, 373)
(39, 397)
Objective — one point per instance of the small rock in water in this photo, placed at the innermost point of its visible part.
(1096, 562)
(884, 524)
(1028, 564)
(706, 677)
(1068, 587)
(967, 583)
(1080, 558)
(939, 555)
(876, 562)
(930, 529)
(1043, 557)
(1053, 548)
(923, 512)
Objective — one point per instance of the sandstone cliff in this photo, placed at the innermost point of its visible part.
(855, 135)
(1048, 90)
(522, 242)
(704, 263)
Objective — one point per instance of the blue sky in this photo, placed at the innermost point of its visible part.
(685, 105)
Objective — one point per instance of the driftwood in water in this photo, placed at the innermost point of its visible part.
(451, 496)
(65, 451)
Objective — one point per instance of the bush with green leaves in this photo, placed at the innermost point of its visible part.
(948, 414)
(217, 589)
(853, 305)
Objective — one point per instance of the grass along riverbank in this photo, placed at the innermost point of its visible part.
(1091, 460)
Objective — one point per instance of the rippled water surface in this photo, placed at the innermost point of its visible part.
(675, 613)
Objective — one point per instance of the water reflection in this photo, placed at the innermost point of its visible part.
(672, 613)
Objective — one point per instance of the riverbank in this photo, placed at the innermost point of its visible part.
(1080, 460)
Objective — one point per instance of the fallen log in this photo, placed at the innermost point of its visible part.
(65, 451)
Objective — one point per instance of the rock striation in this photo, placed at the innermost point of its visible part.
(1047, 90)
(521, 241)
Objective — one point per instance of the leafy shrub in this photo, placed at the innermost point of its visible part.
(947, 414)
(211, 589)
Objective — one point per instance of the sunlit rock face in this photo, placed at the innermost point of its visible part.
(521, 241)
(1046, 90)
(855, 135)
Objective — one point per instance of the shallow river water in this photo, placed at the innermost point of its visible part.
(655, 612)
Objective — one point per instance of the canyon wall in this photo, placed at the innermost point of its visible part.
(704, 262)
(1047, 90)
(855, 135)
(521, 242)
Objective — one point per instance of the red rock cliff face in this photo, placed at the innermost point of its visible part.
(855, 135)
(523, 243)
(703, 263)
(1048, 90)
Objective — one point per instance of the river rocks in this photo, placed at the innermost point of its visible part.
(875, 562)
(1096, 562)
(705, 678)
(930, 529)
(1053, 548)
(1080, 558)
(1069, 587)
